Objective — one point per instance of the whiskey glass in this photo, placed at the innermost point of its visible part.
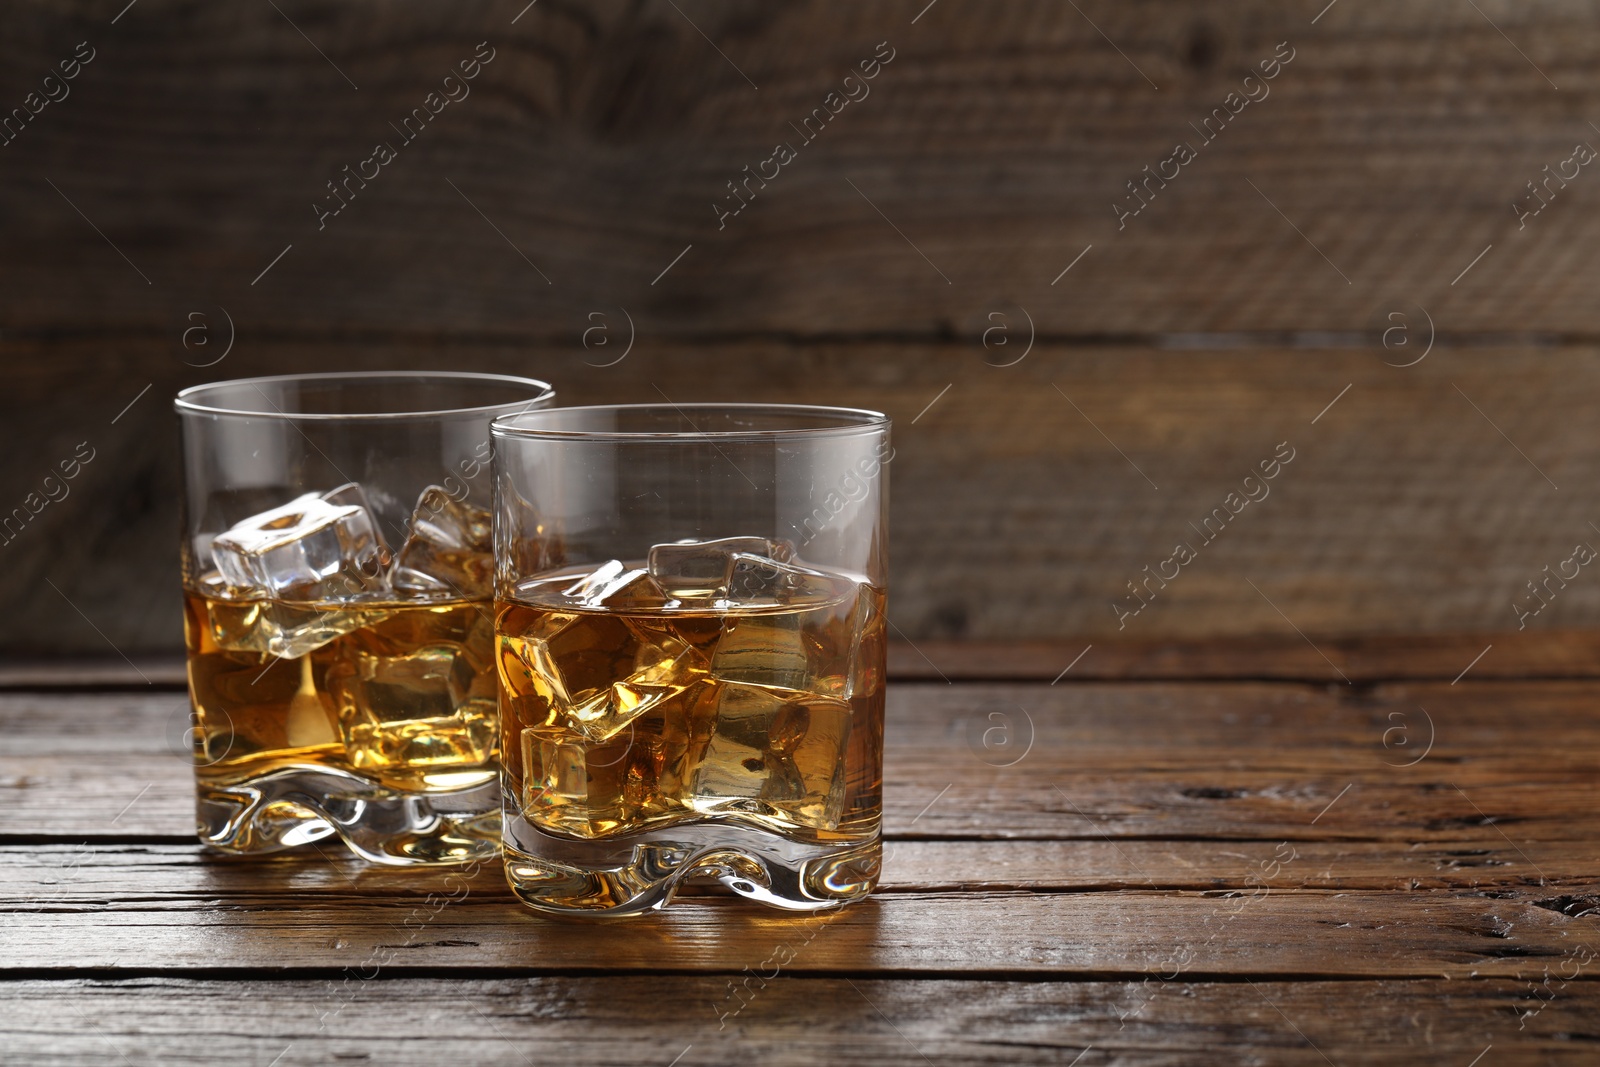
(337, 568)
(689, 613)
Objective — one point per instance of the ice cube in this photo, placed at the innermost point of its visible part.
(595, 673)
(761, 581)
(762, 650)
(637, 777)
(580, 787)
(286, 630)
(813, 732)
(615, 586)
(449, 550)
(596, 581)
(775, 751)
(306, 550)
(426, 708)
(844, 643)
(351, 494)
(664, 671)
(735, 764)
(636, 592)
(553, 767)
(569, 658)
(699, 570)
(530, 677)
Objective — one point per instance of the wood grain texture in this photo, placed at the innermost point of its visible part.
(601, 134)
(802, 1021)
(1244, 761)
(42, 876)
(1228, 871)
(1094, 888)
(1348, 934)
(1265, 911)
(1192, 340)
(1404, 511)
(1419, 657)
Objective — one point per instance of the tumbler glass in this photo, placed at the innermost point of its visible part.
(337, 570)
(689, 608)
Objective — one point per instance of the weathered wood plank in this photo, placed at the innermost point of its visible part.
(799, 1021)
(113, 799)
(96, 875)
(1403, 511)
(596, 141)
(1256, 761)
(1361, 658)
(599, 138)
(1284, 932)
(1013, 518)
(146, 674)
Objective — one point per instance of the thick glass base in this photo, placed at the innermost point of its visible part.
(299, 804)
(632, 874)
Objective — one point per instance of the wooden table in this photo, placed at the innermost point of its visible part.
(1245, 852)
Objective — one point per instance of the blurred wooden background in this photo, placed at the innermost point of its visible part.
(1371, 190)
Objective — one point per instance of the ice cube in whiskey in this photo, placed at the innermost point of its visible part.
(328, 698)
(711, 718)
(385, 732)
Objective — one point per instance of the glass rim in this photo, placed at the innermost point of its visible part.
(188, 400)
(847, 421)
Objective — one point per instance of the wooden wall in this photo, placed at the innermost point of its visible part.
(1369, 188)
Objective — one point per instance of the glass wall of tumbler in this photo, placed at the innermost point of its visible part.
(690, 623)
(337, 567)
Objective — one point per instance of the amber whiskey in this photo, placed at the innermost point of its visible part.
(631, 718)
(375, 701)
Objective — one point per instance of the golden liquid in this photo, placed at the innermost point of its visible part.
(614, 722)
(403, 695)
